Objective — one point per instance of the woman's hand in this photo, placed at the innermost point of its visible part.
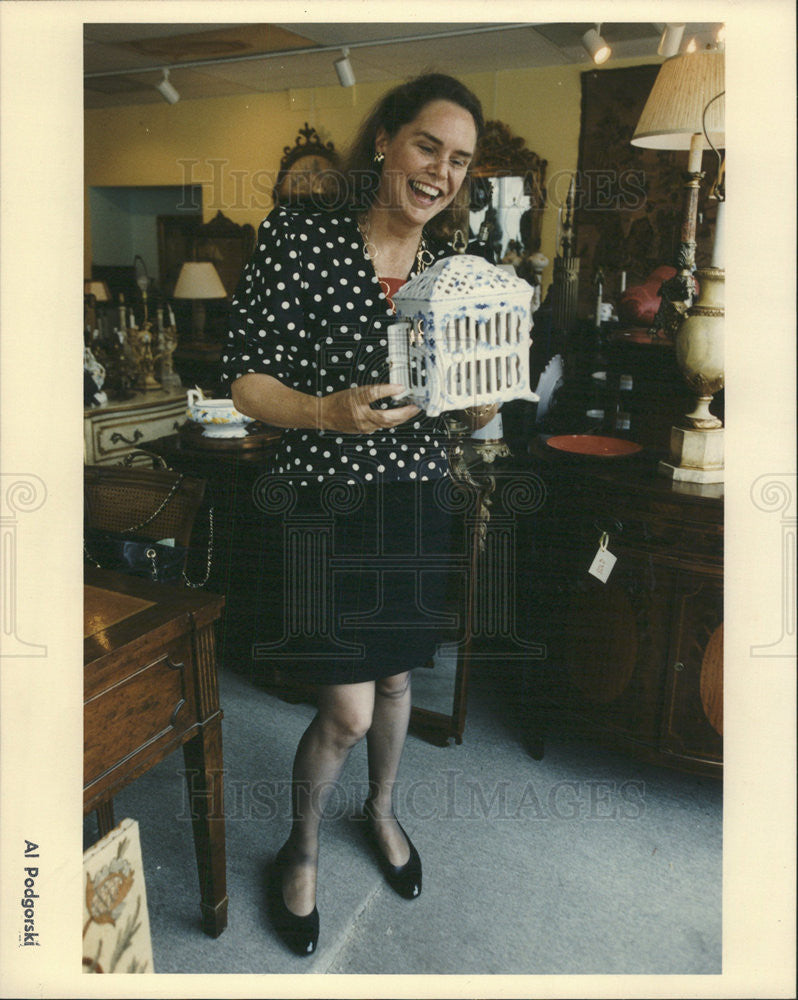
(349, 411)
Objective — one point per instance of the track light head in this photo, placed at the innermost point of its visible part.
(166, 90)
(595, 46)
(343, 67)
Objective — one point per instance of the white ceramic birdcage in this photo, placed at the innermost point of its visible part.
(463, 336)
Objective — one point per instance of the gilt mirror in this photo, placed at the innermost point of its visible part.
(508, 193)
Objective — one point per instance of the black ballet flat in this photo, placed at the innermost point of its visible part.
(300, 934)
(404, 879)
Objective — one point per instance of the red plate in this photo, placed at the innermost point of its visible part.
(594, 446)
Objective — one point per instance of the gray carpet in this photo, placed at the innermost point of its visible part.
(585, 862)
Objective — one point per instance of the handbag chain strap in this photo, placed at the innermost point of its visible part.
(161, 506)
(151, 553)
(201, 583)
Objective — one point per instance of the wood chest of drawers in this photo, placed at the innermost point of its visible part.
(111, 431)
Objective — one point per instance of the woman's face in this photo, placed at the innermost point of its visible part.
(426, 161)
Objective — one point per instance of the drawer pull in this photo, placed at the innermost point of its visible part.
(179, 665)
(178, 706)
(608, 526)
(678, 666)
(116, 437)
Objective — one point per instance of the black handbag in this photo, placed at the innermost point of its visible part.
(159, 561)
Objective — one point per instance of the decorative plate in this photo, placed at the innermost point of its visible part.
(594, 446)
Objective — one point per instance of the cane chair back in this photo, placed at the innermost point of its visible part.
(119, 499)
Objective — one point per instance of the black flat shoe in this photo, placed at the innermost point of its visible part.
(404, 879)
(300, 934)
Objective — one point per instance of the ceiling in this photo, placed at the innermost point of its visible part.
(123, 62)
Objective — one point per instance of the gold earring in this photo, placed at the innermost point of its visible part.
(379, 157)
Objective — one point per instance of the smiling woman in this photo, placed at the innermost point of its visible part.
(389, 120)
(307, 351)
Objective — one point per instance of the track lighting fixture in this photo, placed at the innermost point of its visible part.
(166, 90)
(595, 46)
(343, 67)
(671, 40)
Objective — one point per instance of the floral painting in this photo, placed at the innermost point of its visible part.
(116, 927)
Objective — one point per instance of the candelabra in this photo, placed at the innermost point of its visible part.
(565, 290)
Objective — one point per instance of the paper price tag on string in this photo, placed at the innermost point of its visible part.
(603, 561)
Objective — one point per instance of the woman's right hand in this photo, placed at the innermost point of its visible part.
(349, 411)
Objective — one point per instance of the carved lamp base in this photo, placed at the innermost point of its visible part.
(696, 456)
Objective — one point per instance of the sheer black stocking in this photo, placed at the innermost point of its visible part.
(385, 741)
(344, 716)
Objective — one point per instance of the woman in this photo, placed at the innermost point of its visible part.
(307, 352)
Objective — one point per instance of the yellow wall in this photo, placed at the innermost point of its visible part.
(233, 145)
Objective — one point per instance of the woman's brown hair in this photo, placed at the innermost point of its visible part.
(397, 108)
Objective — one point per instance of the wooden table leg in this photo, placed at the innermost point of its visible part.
(203, 759)
(105, 817)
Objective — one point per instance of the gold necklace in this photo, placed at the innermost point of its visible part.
(424, 256)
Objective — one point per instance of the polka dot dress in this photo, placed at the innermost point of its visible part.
(309, 311)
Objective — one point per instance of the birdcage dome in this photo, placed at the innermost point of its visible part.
(461, 283)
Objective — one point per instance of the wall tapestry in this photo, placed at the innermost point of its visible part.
(628, 200)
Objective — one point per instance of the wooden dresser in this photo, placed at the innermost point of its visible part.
(111, 431)
(636, 661)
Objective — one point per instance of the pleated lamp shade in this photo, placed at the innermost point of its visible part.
(673, 112)
(199, 279)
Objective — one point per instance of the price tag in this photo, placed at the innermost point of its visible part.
(603, 561)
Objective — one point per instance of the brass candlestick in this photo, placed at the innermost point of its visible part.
(141, 341)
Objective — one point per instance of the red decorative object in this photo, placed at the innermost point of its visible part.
(639, 304)
(594, 446)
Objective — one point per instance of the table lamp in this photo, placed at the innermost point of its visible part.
(94, 293)
(199, 280)
(686, 110)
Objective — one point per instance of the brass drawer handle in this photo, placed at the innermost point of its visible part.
(116, 437)
(176, 712)
(174, 664)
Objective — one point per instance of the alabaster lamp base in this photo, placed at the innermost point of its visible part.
(696, 456)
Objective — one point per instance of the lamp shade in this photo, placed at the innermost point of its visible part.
(199, 279)
(673, 112)
(98, 289)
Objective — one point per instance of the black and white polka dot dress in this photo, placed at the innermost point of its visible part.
(365, 521)
(310, 312)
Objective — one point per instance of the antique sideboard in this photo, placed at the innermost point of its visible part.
(636, 660)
